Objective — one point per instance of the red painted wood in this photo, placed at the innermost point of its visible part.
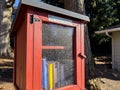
(19, 31)
(19, 20)
(29, 52)
(78, 59)
(37, 71)
(82, 59)
(71, 87)
(21, 57)
(44, 18)
(53, 47)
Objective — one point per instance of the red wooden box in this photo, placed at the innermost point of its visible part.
(34, 29)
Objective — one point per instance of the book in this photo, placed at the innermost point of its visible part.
(44, 74)
(58, 74)
(62, 76)
(53, 73)
(50, 76)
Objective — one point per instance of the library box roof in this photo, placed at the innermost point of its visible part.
(51, 8)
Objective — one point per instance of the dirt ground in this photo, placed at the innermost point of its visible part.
(108, 79)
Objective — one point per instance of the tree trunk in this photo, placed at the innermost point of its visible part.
(75, 5)
(78, 6)
(5, 26)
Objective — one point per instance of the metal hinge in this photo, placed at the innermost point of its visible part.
(33, 19)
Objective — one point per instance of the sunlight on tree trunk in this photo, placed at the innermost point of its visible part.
(75, 5)
(5, 26)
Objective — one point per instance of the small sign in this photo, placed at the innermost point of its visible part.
(59, 20)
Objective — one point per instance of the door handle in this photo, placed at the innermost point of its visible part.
(82, 55)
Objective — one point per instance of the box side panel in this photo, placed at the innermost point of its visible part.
(20, 54)
(29, 51)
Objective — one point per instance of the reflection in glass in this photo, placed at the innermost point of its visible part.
(56, 35)
(59, 62)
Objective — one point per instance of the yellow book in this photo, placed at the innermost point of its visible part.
(50, 76)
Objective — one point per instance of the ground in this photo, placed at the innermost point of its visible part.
(6, 76)
(108, 79)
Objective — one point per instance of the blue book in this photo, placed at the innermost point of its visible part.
(44, 74)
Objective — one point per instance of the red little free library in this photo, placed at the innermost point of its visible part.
(49, 48)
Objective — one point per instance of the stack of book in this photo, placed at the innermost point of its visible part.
(53, 74)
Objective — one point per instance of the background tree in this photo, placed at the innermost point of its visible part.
(5, 26)
(103, 14)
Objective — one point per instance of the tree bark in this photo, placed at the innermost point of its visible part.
(5, 26)
(78, 6)
(75, 6)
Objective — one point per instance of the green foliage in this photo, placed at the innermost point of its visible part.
(103, 14)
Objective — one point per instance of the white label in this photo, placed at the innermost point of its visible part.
(59, 20)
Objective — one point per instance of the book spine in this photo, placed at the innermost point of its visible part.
(50, 76)
(58, 74)
(44, 74)
(55, 74)
(62, 76)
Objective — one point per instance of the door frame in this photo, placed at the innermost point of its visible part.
(79, 52)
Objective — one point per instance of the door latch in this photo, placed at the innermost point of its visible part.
(82, 55)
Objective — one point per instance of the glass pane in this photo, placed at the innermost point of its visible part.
(56, 35)
(58, 64)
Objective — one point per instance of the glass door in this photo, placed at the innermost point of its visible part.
(58, 55)
(58, 64)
